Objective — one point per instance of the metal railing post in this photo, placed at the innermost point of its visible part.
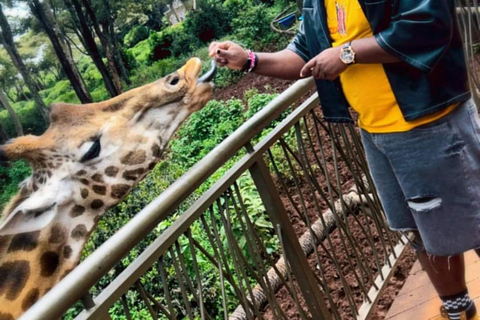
(293, 252)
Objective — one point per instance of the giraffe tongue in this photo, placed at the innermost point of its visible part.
(207, 77)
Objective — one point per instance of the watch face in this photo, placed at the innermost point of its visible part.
(347, 55)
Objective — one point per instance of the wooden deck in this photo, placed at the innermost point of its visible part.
(418, 299)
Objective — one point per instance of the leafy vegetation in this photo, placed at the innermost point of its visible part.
(151, 50)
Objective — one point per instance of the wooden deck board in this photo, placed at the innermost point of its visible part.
(418, 299)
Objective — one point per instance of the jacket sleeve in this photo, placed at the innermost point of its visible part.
(299, 44)
(419, 32)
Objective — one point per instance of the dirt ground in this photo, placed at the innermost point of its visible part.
(265, 84)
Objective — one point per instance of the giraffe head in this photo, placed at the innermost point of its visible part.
(86, 162)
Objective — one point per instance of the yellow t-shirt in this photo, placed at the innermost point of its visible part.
(366, 86)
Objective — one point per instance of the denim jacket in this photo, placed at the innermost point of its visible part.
(423, 34)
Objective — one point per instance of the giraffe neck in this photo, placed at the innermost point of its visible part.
(32, 263)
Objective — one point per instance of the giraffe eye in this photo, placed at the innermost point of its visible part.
(174, 81)
(93, 152)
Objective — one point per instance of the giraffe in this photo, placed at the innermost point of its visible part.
(87, 161)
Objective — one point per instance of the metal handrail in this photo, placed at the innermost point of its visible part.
(71, 288)
(125, 280)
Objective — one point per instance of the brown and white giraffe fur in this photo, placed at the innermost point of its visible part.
(46, 226)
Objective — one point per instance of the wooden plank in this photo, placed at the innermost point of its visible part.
(419, 300)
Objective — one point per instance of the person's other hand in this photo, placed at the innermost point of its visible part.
(228, 54)
(326, 66)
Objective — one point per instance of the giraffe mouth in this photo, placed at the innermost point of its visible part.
(208, 77)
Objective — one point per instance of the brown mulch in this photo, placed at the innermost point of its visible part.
(269, 85)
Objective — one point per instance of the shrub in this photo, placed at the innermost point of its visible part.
(134, 36)
(205, 129)
(162, 43)
(29, 118)
(140, 52)
(252, 27)
(209, 21)
(10, 178)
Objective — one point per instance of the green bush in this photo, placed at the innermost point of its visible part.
(252, 28)
(205, 129)
(140, 52)
(10, 178)
(137, 34)
(210, 21)
(29, 117)
(146, 74)
(161, 43)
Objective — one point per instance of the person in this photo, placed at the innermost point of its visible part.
(400, 65)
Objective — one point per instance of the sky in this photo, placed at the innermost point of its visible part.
(20, 10)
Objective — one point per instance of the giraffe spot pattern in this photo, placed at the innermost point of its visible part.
(4, 242)
(156, 151)
(84, 193)
(98, 189)
(133, 174)
(67, 252)
(6, 316)
(111, 171)
(152, 165)
(84, 181)
(24, 241)
(79, 232)
(58, 234)
(49, 263)
(120, 190)
(81, 173)
(96, 204)
(30, 299)
(134, 157)
(13, 277)
(77, 211)
(97, 177)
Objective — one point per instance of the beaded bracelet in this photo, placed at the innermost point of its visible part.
(251, 63)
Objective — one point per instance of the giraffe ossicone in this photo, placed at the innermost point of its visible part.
(87, 161)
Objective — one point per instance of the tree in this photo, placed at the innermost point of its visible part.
(89, 41)
(12, 114)
(43, 12)
(3, 135)
(6, 38)
(109, 43)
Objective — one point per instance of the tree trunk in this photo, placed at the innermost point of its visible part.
(43, 12)
(6, 39)
(106, 41)
(75, 8)
(3, 135)
(11, 113)
(120, 65)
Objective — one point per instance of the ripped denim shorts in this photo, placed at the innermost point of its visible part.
(428, 179)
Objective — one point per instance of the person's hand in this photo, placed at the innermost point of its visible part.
(228, 54)
(326, 66)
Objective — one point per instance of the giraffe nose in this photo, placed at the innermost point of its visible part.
(191, 69)
(208, 77)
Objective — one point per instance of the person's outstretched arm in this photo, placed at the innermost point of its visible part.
(283, 64)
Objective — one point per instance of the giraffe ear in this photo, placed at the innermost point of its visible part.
(21, 222)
